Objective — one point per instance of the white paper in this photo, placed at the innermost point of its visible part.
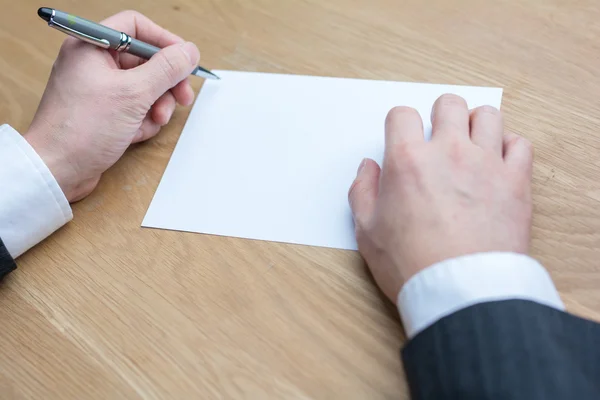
(271, 157)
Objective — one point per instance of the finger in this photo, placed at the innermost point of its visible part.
(165, 70)
(402, 125)
(73, 51)
(450, 118)
(364, 190)
(518, 153)
(140, 27)
(148, 129)
(487, 128)
(183, 92)
(129, 61)
(163, 109)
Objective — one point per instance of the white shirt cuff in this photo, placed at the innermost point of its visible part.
(32, 205)
(451, 285)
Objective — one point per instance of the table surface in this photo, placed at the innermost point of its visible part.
(105, 309)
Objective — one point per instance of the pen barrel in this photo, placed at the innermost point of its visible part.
(141, 49)
(106, 37)
(88, 27)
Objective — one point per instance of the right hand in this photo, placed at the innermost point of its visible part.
(97, 103)
(466, 191)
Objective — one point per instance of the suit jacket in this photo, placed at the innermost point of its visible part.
(7, 264)
(512, 349)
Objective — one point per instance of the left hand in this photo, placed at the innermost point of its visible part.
(466, 191)
(97, 103)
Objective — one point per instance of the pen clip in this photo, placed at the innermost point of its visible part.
(82, 36)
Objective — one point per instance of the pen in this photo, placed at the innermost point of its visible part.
(105, 37)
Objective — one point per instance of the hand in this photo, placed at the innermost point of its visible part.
(97, 103)
(466, 191)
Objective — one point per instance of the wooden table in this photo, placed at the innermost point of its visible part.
(104, 309)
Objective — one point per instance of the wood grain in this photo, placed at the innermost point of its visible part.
(104, 309)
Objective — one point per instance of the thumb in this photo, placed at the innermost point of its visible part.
(167, 68)
(364, 190)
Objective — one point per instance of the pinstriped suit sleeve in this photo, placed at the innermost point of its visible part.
(492, 326)
(509, 349)
(7, 263)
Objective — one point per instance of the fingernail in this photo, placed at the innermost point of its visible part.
(192, 52)
(361, 166)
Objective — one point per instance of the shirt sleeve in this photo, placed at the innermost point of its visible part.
(451, 285)
(32, 205)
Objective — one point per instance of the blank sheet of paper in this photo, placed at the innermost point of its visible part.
(271, 157)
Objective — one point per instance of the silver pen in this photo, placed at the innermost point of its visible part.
(105, 37)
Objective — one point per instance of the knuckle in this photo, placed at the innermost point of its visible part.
(352, 190)
(362, 227)
(361, 233)
(68, 43)
(402, 157)
(370, 238)
(359, 225)
(354, 196)
(516, 141)
(520, 186)
(129, 14)
(356, 190)
(67, 47)
(169, 67)
(456, 151)
(511, 139)
(526, 145)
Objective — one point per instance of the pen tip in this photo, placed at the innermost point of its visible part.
(204, 73)
(45, 13)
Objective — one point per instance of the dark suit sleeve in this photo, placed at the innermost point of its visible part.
(513, 349)
(7, 263)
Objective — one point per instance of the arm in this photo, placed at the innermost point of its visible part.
(32, 205)
(7, 263)
(96, 104)
(510, 349)
(445, 228)
(492, 325)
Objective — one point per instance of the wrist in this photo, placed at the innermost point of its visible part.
(56, 159)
